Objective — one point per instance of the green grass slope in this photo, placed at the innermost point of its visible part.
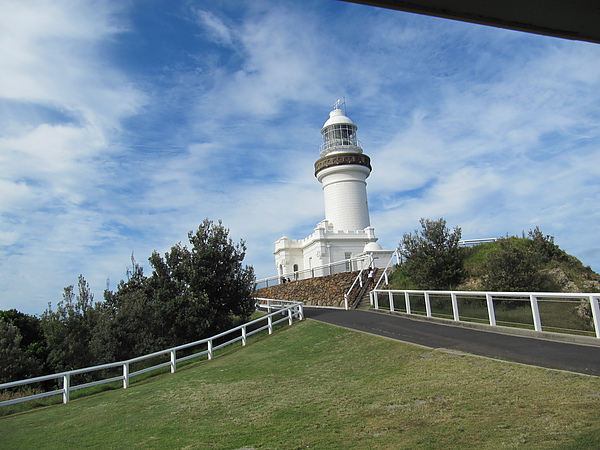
(317, 386)
(541, 263)
(560, 271)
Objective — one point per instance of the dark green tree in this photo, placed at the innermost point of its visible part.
(70, 328)
(202, 289)
(433, 259)
(545, 247)
(192, 293)
(15, 363)
(33, 341)
(128, 323)
(514, 267)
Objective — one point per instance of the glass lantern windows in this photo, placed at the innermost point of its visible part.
(340, 134)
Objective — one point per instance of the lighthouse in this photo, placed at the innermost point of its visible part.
(343, 170)
(346, 232)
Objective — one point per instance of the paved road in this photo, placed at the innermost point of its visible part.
(578, 358)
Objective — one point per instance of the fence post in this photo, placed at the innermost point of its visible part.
(490, 307)
(391, 297)
(427, 304)
(346, 302)
(270, 322)
(595, 314)
(290, 319)
(407, 302)
(66, 387)
(244, 336)
(173, 360)
(125, 375)
(300, 311)
(455, 306)
(535, 311)
(375, 299)
(210, 349)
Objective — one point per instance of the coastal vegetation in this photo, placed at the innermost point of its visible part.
(193, 292)
(433, 259)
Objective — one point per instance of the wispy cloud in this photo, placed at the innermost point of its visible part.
(61, 106)
(216, 29)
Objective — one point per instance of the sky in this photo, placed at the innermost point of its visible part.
(125, 123)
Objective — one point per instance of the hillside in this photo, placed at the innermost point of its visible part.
(554, 271)
(515, 264)
(314, 385)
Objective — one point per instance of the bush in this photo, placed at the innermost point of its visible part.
(433, 257)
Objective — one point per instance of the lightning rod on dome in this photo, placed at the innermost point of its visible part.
(339, 103)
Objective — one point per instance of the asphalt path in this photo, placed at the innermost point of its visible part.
(584, 359)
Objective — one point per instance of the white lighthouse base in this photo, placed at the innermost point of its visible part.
(314, 255)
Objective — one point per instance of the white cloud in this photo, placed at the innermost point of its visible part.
(60, 107)
(117, 136)
(217, 30)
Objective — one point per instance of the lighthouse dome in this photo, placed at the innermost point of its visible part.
(338, 116)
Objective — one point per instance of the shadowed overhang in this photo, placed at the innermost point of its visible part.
(568, 19)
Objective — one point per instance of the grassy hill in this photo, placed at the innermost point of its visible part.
(557, 271)
(515, 264)
(317, 386)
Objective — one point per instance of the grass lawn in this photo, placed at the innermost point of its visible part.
(313, 385)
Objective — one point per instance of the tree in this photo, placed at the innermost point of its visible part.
(192, 293)
(127, 321)
(70, 328)
(16, 363)
(545, 247)
(514, 267)
(203, 288)
(33, 342)
(433, 259)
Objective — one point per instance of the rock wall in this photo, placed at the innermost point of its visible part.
(321, 291)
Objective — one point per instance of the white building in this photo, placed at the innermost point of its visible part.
(346, 232)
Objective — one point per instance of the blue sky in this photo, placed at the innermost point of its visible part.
(123, 124)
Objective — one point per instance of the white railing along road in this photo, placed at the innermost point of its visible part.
(532, 298)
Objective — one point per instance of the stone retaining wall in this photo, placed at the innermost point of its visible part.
(321, 291)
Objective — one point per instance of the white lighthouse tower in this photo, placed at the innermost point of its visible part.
(346, 232)
(343, 170)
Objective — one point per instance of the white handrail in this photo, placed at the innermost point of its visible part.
(357, 279)
(387, 267)
(383, 275)
(293, 309)
(533, 298)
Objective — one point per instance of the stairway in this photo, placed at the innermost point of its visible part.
(365, 301)
(362, 300)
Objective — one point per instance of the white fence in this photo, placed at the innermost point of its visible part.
(474, 242)
(289, 310)
(557, 311)
(345, 265)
